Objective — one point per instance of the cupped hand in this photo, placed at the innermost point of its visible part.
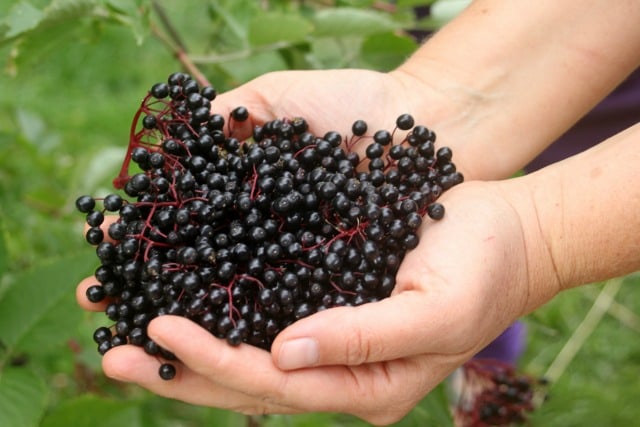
(467, 280)
(328, 100)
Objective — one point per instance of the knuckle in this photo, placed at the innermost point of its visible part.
(358, 349)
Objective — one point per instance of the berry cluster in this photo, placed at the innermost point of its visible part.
(245, 237)
(495, 395)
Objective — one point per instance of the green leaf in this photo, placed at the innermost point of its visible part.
(157, 411)
(346, 21)
(21, 18)
(387, 50)
(59, 25)
(414, 3)
(64, 11)
(37, 310)
(434, 409)
(130, 14)
(23, 398)
(65, 22)
(273, 27)
(257, 64)
(93, 411)
(446, 10)
(4, 256)
(355, 3)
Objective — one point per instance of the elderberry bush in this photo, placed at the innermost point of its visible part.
(245, 237)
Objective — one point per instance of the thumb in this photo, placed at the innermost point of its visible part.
(250, 96)
(400, 326)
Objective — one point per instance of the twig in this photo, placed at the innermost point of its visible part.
(168, 26)
(627, 317)
(622, 313)
(174, 43)
(599, 308)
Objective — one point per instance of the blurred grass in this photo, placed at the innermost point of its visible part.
(64, 122)
(599, 386)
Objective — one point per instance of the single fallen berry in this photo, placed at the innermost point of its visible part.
(167, 371)
(245, 237)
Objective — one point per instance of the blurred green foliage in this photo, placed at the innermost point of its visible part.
(73, 73)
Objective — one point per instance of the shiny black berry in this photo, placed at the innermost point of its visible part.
(167, 371)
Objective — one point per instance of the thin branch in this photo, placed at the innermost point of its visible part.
(625, 315)
(168, 26)
(174, 43)
(599, 308)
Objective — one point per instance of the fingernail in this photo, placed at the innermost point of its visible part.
(298, 353)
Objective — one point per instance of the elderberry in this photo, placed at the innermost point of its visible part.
(167, 371)
(245, 237)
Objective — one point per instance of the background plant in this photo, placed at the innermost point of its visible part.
(73, 74)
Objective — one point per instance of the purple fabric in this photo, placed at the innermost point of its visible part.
(618, 111)
(508, 346)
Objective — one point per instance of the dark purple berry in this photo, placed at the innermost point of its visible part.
(85, 204)
(240, 114)
(167, 371)
(435, 211)
(405, 122)
(359, 127)
(95, 293)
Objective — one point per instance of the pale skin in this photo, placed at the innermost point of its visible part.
(504, 247)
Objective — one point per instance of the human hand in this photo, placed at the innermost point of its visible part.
(329, 100)
(468, 279)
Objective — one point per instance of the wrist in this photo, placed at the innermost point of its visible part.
(446, 107)
(544, 281)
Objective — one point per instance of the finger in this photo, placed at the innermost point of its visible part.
(243, 96)
(386, 330)
(250, 371)
(108, 220)
(131, 364)
(81, 295)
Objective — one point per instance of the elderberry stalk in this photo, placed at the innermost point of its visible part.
(245, 237)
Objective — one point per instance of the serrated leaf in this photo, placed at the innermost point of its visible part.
(346, 21)
(273, 27)
(93, 411)
(23, 398)
(387, 50)
(36, 310)
(22, 17)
